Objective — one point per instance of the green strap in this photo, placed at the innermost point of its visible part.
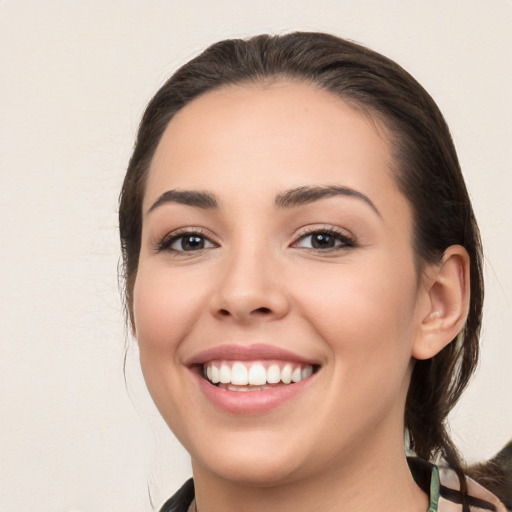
(434, 490)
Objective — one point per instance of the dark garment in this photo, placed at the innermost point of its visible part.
(442, 498)
(182, 499)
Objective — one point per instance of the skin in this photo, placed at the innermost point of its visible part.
(359, 310)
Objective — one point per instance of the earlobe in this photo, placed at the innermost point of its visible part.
(447, 289)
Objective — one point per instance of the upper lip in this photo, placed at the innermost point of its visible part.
(253, 352)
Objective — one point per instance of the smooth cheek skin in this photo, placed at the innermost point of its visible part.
(355, 313)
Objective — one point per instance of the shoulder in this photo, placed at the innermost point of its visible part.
(181, 500)
(496, 475)
(480, 498)
(443, 487)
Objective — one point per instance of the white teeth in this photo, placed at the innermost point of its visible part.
(273, 374)
(231, 387)
(255, 376)
(297, 375)
(225, 374)
(234, 388)
(307, 371)
(286, 374)
(239, 375)
(215, 374)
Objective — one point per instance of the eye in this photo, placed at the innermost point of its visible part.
(185, 242)
(324, 240)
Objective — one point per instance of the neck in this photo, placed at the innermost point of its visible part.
(339, 487)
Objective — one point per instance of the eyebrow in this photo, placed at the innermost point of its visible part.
(204, 200)
(289, 199)
(309, 194)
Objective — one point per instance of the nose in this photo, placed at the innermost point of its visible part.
(249, 289)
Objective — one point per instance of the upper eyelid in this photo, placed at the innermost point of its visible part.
(310, 230)
(164, 242)
(345, 236)
(299, 234)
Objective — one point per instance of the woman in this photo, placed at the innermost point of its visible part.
(303, 276)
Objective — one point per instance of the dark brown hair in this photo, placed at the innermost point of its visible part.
(426, 170)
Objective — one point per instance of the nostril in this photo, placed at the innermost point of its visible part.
(264, 311)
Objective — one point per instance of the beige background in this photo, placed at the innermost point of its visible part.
(75, 77)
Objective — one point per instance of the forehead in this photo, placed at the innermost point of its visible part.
(282, 134)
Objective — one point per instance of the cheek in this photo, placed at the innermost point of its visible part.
(165, 306)
(364, 314)
(164, 309)
(367, 321)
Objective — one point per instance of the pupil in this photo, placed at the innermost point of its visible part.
(192, 243)
(322, 241)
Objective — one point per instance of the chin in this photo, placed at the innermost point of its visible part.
(254, 464)
(255, 473)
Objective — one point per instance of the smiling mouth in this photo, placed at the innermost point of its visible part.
(255, 375)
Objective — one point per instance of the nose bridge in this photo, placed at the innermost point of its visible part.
(249, 283)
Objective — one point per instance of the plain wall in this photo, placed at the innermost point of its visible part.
(75, 77)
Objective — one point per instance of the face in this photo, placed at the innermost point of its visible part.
(276, 300)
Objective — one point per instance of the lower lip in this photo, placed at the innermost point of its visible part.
(250, 402)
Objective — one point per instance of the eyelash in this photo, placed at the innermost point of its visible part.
(166, 243)
(339, 236)
(346, 240)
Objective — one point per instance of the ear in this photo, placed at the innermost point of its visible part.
(446, 285)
